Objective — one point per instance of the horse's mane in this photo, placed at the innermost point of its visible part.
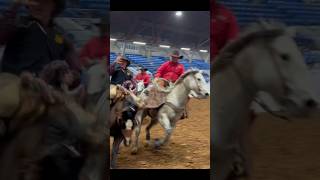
(261, 30)
(191, 71)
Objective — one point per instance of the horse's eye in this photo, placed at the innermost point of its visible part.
(285, 57)
(199, 79)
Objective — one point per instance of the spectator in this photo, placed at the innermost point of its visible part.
(119, 70)
(144, 76)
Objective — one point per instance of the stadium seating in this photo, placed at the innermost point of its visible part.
(294, 12)
(82, 8)
(154, 62)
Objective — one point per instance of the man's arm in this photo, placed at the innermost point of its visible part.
(160, 71)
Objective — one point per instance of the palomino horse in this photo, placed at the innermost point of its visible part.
(124, 105)
(171, 110)
(264, 59)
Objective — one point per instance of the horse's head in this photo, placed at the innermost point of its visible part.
(96, 77)
(278, 67)
(196, 82)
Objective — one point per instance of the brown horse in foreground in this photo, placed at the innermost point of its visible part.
(45, 137)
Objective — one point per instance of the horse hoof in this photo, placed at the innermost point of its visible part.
(157, 144)
(134, 151)
(147, 144)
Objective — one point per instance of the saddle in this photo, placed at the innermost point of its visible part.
(155, 94)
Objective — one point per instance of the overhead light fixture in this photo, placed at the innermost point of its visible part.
(113, 39)
(164, 46)
(205, 51)
(140, 43)
(179, 13)
(186, 49)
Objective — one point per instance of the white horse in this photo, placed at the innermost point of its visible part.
(170, 112)
(140, 86)
(265, 58)
(97, 104)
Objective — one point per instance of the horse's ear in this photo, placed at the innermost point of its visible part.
(291, 31)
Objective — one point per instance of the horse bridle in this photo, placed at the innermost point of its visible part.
(256, 99)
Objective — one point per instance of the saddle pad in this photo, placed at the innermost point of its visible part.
(152, 97)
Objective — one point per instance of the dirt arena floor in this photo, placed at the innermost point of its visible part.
(286, 150)
(189, 147)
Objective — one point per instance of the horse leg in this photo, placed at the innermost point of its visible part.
(115, 149)
(135, 143)
(153, 122)
(166, 124)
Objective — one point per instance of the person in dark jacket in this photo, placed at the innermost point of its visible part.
(33, 41)
(120, 72)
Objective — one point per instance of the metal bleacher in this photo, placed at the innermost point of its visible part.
(292, 13)
(77, 9)
(295, 12)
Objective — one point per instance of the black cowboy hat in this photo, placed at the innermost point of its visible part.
(175, 53)
(124, 57)
(143, 68)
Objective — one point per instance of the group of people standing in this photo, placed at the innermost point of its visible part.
(170, 70)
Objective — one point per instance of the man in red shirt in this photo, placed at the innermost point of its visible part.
(96, 49)
(144, 76)
(224, 27)
(171, 70)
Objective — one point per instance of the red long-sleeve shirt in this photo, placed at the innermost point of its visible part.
(96, 48)
(224, 27)
(170, 71)
(144, 77)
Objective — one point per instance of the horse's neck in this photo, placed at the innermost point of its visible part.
(178, 95)
(231, 102)
(92, 100)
